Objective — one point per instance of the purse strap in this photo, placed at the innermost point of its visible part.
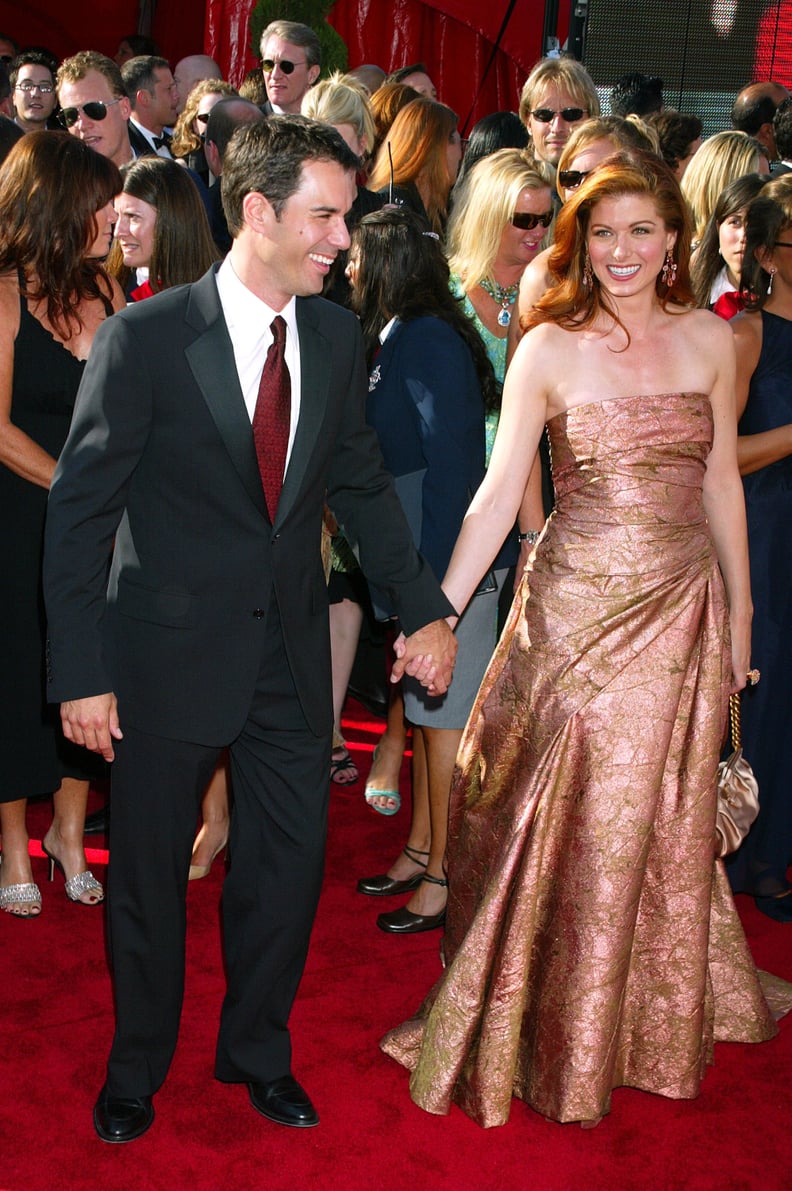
(735, 729)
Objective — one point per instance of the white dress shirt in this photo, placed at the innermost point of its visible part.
(249, 320)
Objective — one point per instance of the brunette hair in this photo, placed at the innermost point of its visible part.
(707, 261)
(183, 248)
(418, 141)
(574, 303)
(185, 139)
(769, 218)
(51, 187)
(386, 103)
(402, 272)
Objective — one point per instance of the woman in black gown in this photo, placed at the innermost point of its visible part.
(764, 449)
(56, 224)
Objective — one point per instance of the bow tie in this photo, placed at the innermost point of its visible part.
(159, 141)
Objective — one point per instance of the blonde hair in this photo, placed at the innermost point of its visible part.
(622, 132)
(341, 99)
(561, 72)
(185, 140)
(721, 159)
(483, 208)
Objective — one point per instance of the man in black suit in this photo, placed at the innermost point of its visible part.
(213, 628)
(154, 101)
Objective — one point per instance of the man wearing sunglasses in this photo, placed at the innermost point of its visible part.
(94, 105)
(291, 61)
(558, 95)
(33, 90)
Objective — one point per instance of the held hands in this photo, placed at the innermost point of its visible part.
(428, 655)
(93, 723)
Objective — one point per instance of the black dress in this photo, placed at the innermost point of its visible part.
(760, 865)
(35, 756)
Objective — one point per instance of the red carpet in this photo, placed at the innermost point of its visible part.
(57, 1021)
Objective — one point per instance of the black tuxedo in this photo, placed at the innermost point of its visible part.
(213, 631)
(140, 145)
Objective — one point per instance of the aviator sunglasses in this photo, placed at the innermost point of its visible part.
(526, 220)
(269, 64)
(95, 110)
(570, 115)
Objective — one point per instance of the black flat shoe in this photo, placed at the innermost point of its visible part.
(117, 1119)
(778, 908)
(284, 1101)
(404, 922)
(385, 886)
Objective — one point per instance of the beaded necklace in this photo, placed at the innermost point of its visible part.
(504, 295)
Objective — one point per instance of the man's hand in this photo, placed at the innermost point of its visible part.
(93, 723)
(427, 654)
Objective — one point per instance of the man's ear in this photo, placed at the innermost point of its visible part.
(258, 212)
(313, 74)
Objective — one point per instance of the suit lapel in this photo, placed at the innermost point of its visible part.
(211, 360)
(314, 372)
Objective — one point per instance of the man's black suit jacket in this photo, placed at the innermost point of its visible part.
(161, 460)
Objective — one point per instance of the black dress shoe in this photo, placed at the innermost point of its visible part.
(98, 823)
(119, 1119)
(283, 1101)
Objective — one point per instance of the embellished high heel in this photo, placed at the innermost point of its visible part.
(27, 894)
(79, 884)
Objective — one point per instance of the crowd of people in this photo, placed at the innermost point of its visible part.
(540, 428)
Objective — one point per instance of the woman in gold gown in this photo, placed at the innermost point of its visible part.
(592, 941)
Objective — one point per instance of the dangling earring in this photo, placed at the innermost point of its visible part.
(588, 274)
(669, 271)
(770, 282)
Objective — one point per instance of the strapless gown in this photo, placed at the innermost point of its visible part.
(591, 938)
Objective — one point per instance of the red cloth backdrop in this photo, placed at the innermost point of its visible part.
(453, 39)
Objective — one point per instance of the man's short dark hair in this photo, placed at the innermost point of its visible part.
(636, 94)
(268, 158)
(404, 72)
(676, 130)
(296, 34)
(224, 120)
(750, 113)
(30, 58)
(782, 129)
(139, 74)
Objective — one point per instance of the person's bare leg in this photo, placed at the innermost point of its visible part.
(16, 868)
(419, 838)
(387, 759)
(64, 839)
(346, 618)
(212, 836)
(441, 746)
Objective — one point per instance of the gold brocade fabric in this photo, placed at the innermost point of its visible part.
(591, 938)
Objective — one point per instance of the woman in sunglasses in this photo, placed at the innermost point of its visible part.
(591, 939)
(430, 381)
(559, 94)
(190, 129)
(56, 224)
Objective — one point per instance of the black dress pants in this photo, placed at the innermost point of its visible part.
(279, 823)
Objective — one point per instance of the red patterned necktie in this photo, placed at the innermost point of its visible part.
(272, 417)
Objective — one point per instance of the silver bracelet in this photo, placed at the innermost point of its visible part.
(531, 537)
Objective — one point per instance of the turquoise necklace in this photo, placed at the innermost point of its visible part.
(504, 295)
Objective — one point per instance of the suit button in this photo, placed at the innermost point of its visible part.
(259, 613)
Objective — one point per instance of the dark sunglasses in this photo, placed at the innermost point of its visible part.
(203, 117)
(269, 64)
(571, 115)
(95, 110)
(571, 179)
(526, 220)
